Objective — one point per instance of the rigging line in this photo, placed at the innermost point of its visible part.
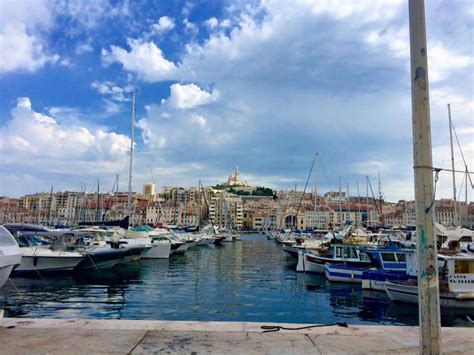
(462, 154)
(103, 161)
(434, 192)
(14, 286)
(441, 169)
(461, 189)
(149, 167)
(305, 186)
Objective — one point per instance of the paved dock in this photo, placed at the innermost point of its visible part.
(79, 336)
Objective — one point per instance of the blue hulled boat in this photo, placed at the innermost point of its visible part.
(388, 262)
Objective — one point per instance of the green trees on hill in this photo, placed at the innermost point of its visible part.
(258, 191)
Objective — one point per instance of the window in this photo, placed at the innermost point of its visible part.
(464, 266)
(390, 257)
(401, 257)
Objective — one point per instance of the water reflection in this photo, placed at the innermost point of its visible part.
(249, 280)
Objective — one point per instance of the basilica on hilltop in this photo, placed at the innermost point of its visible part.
(234, 180)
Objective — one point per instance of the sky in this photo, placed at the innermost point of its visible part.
(264, 85)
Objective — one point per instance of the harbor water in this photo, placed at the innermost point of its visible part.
(248, 280)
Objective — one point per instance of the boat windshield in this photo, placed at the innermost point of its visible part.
(25, 241)
(464, 266)
(143, 228)
(6, 239)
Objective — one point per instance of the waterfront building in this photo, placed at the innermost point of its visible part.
(149, 190)
(187, 206)
(226, 209)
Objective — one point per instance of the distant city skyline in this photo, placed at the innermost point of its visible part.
(259, 84)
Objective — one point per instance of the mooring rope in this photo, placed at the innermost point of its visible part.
(276, 328)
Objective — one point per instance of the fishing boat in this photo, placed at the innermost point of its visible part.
(301, 243)
(339, 254)
(388, 262)
(10, 254)
(456, 281)
(343, 273)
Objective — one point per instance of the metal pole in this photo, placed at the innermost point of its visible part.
(455, 216)
(129, 201)
(428, 286)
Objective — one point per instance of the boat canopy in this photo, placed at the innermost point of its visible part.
(143, 228)
(6, 239)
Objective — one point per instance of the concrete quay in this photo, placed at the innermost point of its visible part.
(81, 336)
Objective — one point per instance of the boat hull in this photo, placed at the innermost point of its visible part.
(291, 251)
(159, 251)
(340, 273)
(206, 241)
(316, 264)
(4, 274)
(401, 292)
(133, 253)
(47, 263)
(375, 279)
(100, 259)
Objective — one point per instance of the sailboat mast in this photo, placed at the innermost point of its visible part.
(132, 137)
(50, 205)
(98, 201)
(467, 177)
(340, 204)
(455, 217)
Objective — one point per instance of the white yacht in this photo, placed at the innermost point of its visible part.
(10, 254)
(159, 248)
(40, 258)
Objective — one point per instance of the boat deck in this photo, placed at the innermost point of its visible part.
(80, 336)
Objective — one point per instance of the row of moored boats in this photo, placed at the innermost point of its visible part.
(385, 261)
(35, 249)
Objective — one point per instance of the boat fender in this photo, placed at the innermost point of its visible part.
(35, 260)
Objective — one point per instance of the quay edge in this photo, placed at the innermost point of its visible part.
(80, 336)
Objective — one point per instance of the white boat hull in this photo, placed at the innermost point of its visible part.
(305, 265)
(409, 294)
(10, 256)
(5, 273)
(335, 274)
(30, 263)
(159, 251)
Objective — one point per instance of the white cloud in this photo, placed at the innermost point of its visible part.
(190, 26)
(225, 23)
(40, 137)
(144, 59)
(212, 23)
(22, 47)
(85, 47)
(90, 14)
(190, 96)
(110, 89)
(443, 62)
(198, 120)
(164, 24)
